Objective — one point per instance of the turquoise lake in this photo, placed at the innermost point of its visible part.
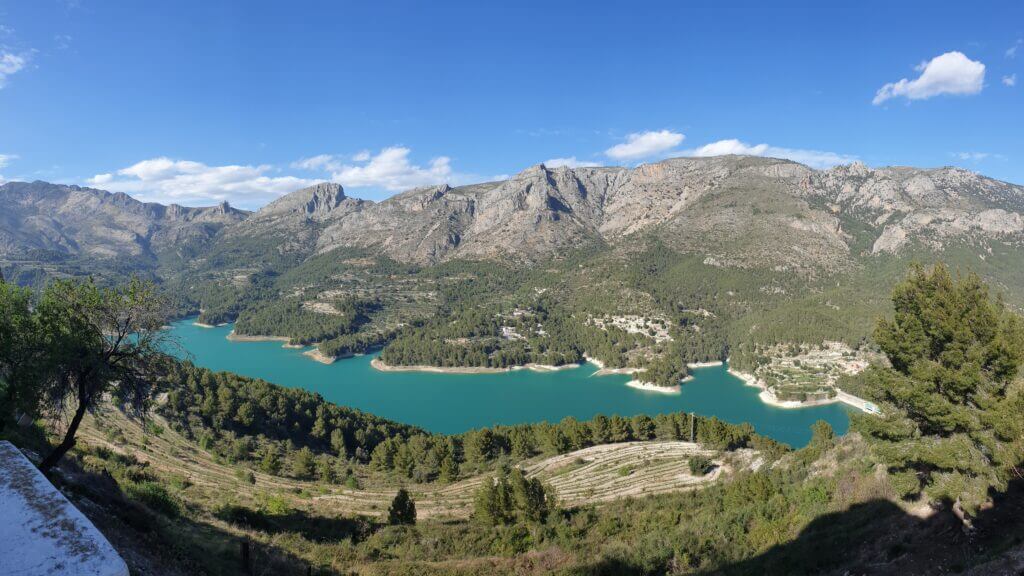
(451, 403)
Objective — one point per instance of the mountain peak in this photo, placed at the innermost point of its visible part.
(313, 201)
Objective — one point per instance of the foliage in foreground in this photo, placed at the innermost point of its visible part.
(953, 423)
(78, 343)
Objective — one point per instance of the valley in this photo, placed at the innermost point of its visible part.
(455, 403)
(511, 289)
(671, 368)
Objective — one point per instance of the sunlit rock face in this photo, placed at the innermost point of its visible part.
(741, 211)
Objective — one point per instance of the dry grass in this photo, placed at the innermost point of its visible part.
(589, 476)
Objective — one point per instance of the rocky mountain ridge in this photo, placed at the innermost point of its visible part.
(734, 210)
(77, 221)
(743, 211)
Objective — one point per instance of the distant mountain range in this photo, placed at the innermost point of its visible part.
(51, 220)
(736, 211)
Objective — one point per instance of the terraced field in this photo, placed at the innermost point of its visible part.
(592, 475)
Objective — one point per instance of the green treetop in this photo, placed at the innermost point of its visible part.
(403, 509)
(953, 406)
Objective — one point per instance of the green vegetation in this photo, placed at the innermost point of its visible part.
(422, 458)
(289, 318)
(700, 465)
(402, 510)
(77, 344)
(951, 432)
(249, 420)
(952, 424)
(512, 498)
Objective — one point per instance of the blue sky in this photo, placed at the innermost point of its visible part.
(194, 102)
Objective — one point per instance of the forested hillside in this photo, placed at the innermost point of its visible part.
(724, 255)
(220, 459)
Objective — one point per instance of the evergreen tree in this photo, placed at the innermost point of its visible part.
(402, 510)
(951, 424)
(325, 469)
(449, 471)
(303, 463)
(529, 495)
(271, 461)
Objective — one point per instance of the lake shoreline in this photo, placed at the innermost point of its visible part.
(710, 364)
(379, 364)
(204, 325)
(648, 387)
(452, 404)
(318, 356)
(768, 397)
(235, 337)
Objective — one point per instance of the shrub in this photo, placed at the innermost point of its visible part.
(402, 510)
(699, 465)
(245, 475)
(242, 516)
(155, 497)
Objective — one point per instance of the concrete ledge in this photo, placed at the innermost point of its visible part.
(41, 532)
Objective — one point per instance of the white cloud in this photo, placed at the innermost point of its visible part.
(950, 73)
(1011, 52)
(1010, 80)
(389, 169)
(10, 63)
(62, 41)
(812, 158)
(318, 162)
(5, 159)
(570, 162)
(645, 144)
(976, 156)
(193, 183)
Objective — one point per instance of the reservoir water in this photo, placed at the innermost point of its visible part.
(451, 403)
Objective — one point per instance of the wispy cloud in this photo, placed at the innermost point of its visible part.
(5, 159)
(389, 169)
(570, 162)
(187, 182)
(645, 145)
(1010, 80)
(976, 156)
(10, 64)
(949, 73)
(1011, 52)
(812, 158)
(62, 41)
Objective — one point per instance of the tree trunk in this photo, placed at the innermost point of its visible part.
(965, 520)
(69, 437)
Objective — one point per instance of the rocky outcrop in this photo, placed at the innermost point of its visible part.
(930, 207)
(80, 221)
(737, 211)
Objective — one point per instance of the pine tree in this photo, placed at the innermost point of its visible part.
(449, 471)
(303, 463)
(951, 424)
(402, 510)
(529, 496)
(271, 461)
